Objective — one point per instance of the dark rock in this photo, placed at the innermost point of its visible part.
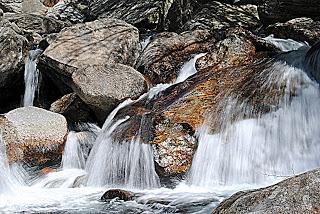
(73, 108)
(212, 15)
(161, 60)
(272, 11)
(14, 6)
(118, 193)
(299, 194)
(299, 29)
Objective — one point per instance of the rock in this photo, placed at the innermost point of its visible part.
(215, 15)
(146, 14)
(299, 29)
(103, 88)
(75, 11)
(118, 193)
(236, 49)
(14, 6)
(33, 7)
(102, 42)
(73, 108)
(12, 55)
(299, 194)
(272, 11)
(50, 3)
(31, 23)
(161, 60)
(33, 135)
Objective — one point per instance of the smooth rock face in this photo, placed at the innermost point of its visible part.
(12, 55)
(101, 42)
(33, 135)
(33, 7)
(167, 52)
(117, 193)
(299, 194)
(104, 87)
(299, 29)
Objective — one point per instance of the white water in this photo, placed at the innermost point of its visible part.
(285, 44)
(73, 157)
(189, 68)
(31, 77)
(5, 182)
(263, 150)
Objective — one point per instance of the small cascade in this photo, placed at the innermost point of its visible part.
(5, 182)
(285, 44)
(189, 68)
(73, 157)
(31, 77)
(268, 148)
(145, 42)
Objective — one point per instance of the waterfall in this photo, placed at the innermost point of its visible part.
(73, 157)
(31, 77)
(273, 146)
(285, 44)
(5, 182)
(189, 68)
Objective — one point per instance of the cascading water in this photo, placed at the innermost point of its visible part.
(73, 157)
(273, 146)
(114, 163)
(285, 44)
(5, 183)
(31, 77)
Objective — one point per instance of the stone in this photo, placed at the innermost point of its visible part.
(161, 60)
(31, 23)
(299, 194)
(12, 55)
(103, 88)
(34, 135)
(299, 29)
(272, 11)
(118, 193)
(216, 15)
(101, 42)
(73, 108)
(33, 7)
(14, 6)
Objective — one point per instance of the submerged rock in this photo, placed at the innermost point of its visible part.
(299, 29)
(118, 193)
(33, 135)
(299, 194)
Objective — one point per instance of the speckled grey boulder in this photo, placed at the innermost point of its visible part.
(33, 134)
(299, 194)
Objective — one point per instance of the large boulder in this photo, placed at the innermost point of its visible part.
(272, 11)
(94, 60)
(14, 6)
(104, 41)
(299, 29)
(33, 135)
(211, 15)
(103, 88)
(161, 60)
(299, 194)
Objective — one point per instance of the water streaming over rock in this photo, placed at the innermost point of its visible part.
(285, 44)
(273, 146)
(31, 77)
(73, 157)
(5, 182)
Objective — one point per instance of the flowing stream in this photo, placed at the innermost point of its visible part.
(241, 156)
(31, 77)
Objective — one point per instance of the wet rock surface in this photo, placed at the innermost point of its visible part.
(33, 135)
(299, 194)
(118, 193)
